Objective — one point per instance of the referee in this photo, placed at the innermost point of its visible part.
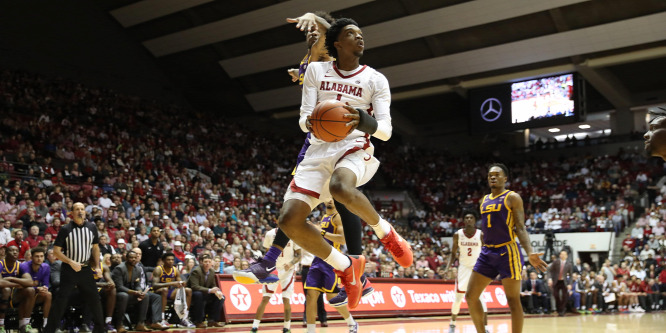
(73, 246)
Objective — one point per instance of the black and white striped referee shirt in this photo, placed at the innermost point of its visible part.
(77, 241)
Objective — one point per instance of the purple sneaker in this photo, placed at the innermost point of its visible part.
(110, 328)
(353, 328)
(259, 272)
(341, 298)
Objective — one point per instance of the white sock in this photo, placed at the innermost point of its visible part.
(255, 323)
(45, 321)
(455, 309)
(488, 328)
(107, 320)
(287, 324)
(483, 304)
(338, 260)
(162, 315)
(382, 228)
(24, 321)
(311, 328)
(350, 320)
(2, 322)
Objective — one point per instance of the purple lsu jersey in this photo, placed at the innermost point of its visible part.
(327, 224)
(8, 271)
(500, 254)
(321, 276)
(302, 68)
(42, 276)
(301, 71)
(497, 220)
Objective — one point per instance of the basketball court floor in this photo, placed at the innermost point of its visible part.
(646, 322)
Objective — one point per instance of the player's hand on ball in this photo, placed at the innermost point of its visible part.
(308, 124)
(307, 22)
(535, 260)
(354, 118)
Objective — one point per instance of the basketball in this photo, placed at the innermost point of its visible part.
(328, 121)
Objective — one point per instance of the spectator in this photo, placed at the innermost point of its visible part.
(104, 246)
(127, 277)
(647, 251)
(20, 244)
(206, 297)
(152, 250)
(5, 234)
(533, 295)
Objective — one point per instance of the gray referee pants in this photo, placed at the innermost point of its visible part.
(85, 281)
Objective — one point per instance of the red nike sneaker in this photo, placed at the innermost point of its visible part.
(351, 279)
(399, 248)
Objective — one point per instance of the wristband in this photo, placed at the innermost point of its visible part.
(366, 123)
(323, 232)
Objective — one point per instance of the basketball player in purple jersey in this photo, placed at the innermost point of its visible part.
(321, 278)
(503, 218)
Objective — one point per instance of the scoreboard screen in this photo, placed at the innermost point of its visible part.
(541, 102)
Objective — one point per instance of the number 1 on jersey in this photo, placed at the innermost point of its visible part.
(489, 226)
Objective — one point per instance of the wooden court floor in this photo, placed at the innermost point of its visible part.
(643, 323)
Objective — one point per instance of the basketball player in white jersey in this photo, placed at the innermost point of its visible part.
(469, 241)
(336, 169)
(286, 268)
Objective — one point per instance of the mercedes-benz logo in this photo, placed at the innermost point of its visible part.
(491, 109)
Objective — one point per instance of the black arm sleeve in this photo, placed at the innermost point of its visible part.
(366, 123)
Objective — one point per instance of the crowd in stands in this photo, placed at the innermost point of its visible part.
(636, 282)
(214, 186)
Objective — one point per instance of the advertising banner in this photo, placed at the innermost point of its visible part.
(392, 297)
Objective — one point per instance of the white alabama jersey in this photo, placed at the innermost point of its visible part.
(363, 88)
(470, 248)
(287, 255)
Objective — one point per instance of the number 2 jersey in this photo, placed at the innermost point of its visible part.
(470, 247)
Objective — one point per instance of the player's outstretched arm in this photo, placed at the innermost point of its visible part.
(516, 204)
(309, 22)
(293, 72)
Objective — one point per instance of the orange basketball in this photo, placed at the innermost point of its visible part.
(328, 121)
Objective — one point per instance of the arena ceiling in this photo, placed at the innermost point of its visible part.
(232, 56)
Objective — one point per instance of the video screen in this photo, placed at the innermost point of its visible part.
(542, 98)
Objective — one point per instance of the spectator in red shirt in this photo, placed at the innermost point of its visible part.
(623, 269)
(433, 260)
(630, 242)
(54, 228)
(34, 238)
(21, 244)
(178, 251)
